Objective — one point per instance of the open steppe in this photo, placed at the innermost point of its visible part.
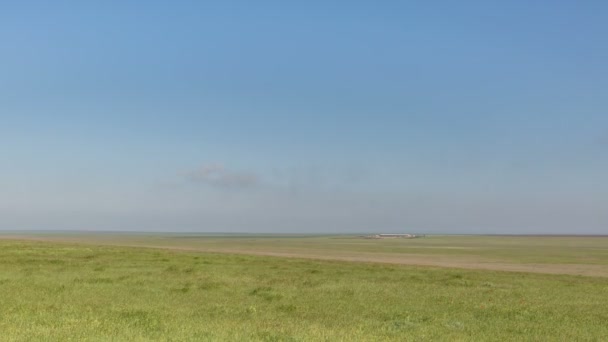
(98, 286)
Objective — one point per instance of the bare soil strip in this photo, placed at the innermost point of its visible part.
(385, 258)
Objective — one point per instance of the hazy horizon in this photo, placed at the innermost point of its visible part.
(473, 117)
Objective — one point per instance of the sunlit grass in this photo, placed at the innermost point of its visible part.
(63, 292)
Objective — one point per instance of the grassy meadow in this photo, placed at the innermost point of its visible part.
(75, 291)
(575, 255)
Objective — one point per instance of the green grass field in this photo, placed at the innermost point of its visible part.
(546, 254)
(76, 288)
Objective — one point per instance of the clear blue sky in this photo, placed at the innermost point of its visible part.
(271, 116)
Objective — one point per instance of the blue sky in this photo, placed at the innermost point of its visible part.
(455, 117)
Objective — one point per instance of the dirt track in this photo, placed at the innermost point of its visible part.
(571, 269)
(386, 258)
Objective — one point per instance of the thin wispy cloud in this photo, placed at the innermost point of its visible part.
(216, 174)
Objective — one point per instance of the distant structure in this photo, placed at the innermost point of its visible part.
(392, 236)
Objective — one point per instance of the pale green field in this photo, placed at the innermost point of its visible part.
(555, 255)
(57, 291)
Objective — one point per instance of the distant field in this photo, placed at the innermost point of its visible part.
(73, 287)
(573, 255)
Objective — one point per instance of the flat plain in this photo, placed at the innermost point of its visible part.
(301, 288)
